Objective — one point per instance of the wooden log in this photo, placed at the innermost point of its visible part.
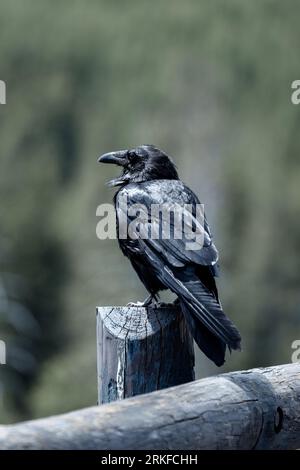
(254, 409)
(140, 350)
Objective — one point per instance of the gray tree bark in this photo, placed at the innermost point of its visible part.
(254, 409)
(140, 350)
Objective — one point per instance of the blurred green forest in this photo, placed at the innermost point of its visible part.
(209, 82)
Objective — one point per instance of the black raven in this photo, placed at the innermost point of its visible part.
(149, 177)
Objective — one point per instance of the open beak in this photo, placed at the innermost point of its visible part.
(118, 158)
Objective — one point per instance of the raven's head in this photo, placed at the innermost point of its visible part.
(144, 163)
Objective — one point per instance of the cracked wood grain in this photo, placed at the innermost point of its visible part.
(141, 350)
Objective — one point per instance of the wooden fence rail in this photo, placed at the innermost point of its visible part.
(254, 409)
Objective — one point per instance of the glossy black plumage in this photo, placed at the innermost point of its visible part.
(149, 177)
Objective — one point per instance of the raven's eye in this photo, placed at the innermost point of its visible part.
(132, 157)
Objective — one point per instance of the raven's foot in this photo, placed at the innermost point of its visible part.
(175, 303)
(136, 304)
(147, 302)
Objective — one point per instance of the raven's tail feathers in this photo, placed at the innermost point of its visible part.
(210, 345)
(204, 306)
(211, 328)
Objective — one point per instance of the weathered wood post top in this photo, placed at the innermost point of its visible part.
(141, 350)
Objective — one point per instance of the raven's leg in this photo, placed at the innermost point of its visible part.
(175, 303)
(147, 302)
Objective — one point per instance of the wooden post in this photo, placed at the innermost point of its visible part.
(141, 350)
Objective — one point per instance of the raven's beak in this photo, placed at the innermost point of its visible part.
(118, 158)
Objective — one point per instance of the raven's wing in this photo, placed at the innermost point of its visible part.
(176, 266)
(196, 297)
(177, 250)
